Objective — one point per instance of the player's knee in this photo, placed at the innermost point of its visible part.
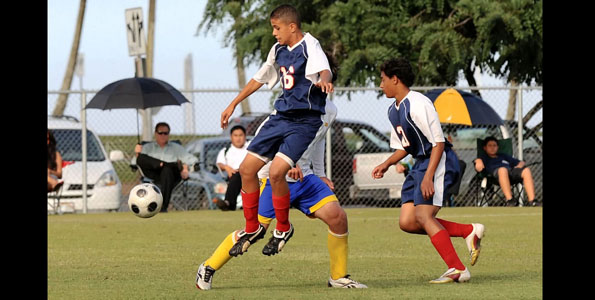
(246, 171)
(408, 225)
(276, 175)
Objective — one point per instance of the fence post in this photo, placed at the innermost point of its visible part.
(520, 125)
(84, 147)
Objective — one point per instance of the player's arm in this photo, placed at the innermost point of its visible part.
(250, 88)
(326, 81)
(379, 170)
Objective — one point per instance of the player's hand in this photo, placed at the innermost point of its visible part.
(326, 87)
(225, 115)
(427, 188)
(379, 171)
(296, 173)
(328, 182)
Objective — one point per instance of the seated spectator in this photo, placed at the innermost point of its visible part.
(229, 160)
(54, 165)
(164, 162)
(506, 169)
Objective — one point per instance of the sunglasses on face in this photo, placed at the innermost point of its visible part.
(162, 132)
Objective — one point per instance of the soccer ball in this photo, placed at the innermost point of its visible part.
(145, 200)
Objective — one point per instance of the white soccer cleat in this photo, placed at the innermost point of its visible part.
(346, 283)
(204, 277)
(473, 241)
(453, 275)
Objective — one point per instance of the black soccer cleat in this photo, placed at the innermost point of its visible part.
(277, 241)
(245, 240)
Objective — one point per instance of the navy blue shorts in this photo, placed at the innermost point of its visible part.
(286, 134)
(446, 174)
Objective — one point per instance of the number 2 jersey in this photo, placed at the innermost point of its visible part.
(415, 125)
(297, 68)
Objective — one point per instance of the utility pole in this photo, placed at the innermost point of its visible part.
(137, 46)
(188, 85)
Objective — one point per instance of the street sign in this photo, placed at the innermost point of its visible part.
(135, 32)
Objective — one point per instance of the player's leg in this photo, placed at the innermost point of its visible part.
(253, 231)
(280, 196)
(280, 189)
(407, 220)
(335, 217)
(316, 200)
(217, 260)
(425, 215)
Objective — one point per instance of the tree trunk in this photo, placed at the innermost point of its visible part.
(242, 82)
(469, 72)
(74, 50)
(511, 101)
(241, 71)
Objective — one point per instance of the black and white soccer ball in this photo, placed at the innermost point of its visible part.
(145, 200)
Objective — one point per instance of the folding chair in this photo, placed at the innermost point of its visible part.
(487, 185)
(54, 200)
(182, 183)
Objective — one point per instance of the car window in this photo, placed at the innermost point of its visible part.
(68, 143)
(380, 142)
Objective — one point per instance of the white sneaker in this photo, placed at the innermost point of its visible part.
(204, 277)
(346, 282)
(453, 275)
(473, 241)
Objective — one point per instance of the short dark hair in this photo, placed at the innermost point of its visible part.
(287, 13)
(162, 124)
(399, 67)
(489, 138)
(240, 127)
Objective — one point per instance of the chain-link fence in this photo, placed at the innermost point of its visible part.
(358, 140)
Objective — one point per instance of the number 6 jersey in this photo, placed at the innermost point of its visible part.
(297, 68)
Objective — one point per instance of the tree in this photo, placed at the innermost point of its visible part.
(74, 50)
(216, 13)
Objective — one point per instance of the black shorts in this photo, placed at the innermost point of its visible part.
(514, 174)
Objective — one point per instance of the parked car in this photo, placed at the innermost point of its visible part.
(206, 182)
(104, 188)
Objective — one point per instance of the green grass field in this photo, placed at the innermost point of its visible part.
(120, 256)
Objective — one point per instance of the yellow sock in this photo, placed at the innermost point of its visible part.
(337, 249)
(221, 255)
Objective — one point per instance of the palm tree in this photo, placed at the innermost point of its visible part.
(63, 98)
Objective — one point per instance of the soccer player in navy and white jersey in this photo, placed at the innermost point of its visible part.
(298, 61)
(416, 130)
(311, 193)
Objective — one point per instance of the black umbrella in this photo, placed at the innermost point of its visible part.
(138, 93)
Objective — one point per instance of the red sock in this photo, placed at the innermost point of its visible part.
(443, 245)
(281, 205)
(250, 206)
(456, 229)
